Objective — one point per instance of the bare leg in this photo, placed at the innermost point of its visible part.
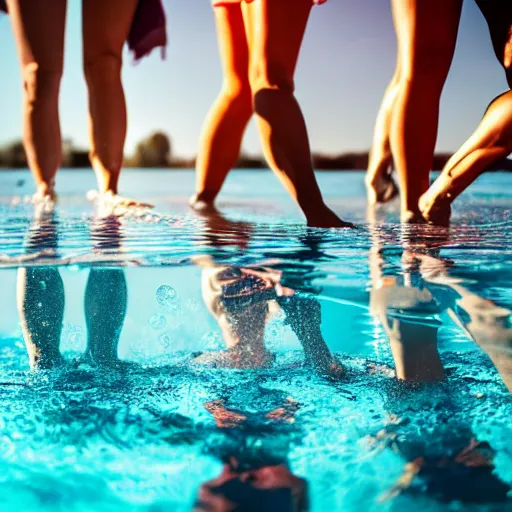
(225, 125)
(105, 29)
(305, 318)
(413, 345)
(427, 40)
(39, 31)
(380, 185)
(498, 14)
(41, 309)
(491, 141)
(278, 29)
(488, 324)
(414, 349)
(105, 311)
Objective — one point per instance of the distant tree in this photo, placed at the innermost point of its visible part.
(155, 151)
(80, 158)
(345, 161)
(13, 155)
(250, 162)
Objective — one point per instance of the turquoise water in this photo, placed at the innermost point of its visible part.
(170, 350)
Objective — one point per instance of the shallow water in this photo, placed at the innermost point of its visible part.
(141, 409)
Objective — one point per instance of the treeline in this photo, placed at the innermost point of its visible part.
(156, 151)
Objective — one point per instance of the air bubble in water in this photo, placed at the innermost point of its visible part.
(165, 340)
(166, 296)
(192, 305)
(212, 341)
(174, 308)
(157, 321)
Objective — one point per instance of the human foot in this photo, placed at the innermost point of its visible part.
(112, 202)
(380, 188)
(202, 204)
(44, 201)
(411, 217)
(435, 208)
(45, 193)
(327, 219)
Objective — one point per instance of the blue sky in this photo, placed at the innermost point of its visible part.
(346, 61)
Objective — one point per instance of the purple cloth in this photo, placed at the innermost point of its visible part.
(148, 28)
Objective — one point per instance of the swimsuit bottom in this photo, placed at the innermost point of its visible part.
(225, 3)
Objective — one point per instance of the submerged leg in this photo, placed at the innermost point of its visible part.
(41, 307)
(105, 311)
(304, 317)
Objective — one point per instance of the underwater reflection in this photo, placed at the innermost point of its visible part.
(41, 296)
(445, 459)
(265, 488)
(253, 448)
(242, 300)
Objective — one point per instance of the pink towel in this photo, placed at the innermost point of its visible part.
(148, 28)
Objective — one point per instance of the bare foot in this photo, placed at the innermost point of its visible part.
(200, 205)
(435, 209)
(44, 201)
(45, 193)
(381, 189)
(411, 217)
(114, 203)
(327, 219)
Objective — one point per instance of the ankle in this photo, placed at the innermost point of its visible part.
(46, 189)
(106, 177)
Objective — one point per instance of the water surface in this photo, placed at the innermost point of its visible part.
(190, 341)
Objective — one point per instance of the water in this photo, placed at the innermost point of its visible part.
(189, 342)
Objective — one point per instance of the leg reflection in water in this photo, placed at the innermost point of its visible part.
(41, 298)
(443, 455)
(41, 308)
(243, 299)
(105, 311)
(106, 296)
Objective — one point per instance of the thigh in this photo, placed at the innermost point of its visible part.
(427, 33)
(498, 14)
(277, 29)
(233, 45)
(39, 29)
(106, 25)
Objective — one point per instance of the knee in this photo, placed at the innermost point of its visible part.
(270, 76)
(40, 83)
(500, 112)
(428, 67)
(238, 91)
(103, 69)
